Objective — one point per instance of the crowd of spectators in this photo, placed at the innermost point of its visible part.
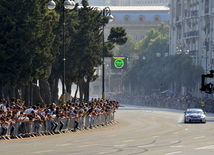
(167, 101)
(17, 112)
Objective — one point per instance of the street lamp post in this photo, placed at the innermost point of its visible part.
(67, 5)
(105, 12)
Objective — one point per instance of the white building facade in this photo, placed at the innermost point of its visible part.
(126, 2)
(191, 30)
(139, 2)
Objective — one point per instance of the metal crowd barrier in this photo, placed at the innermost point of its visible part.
(49, 127)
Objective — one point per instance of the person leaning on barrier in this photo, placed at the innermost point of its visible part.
(76, 121)
(22, 119)
(53, 118)
(4, 125)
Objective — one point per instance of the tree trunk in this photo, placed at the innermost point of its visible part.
(81, 90)
(1, 93)
(86, 92)
(31, 94)
(37, 96)
(11, 90)
(68, 87)
(75, 96)
(54, 90)
(45, 91)
(27, 95)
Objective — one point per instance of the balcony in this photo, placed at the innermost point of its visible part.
(193, 53)
(178, 19)
(206, 11)
(191, 34)
(189, 14)
(194, 13)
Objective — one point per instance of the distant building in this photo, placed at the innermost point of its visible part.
(191, 31)
(139, 2)
(96, 2)
(137, 20)
(191, 23)
(126, 2)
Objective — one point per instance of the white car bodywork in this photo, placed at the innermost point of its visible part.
(194, 115)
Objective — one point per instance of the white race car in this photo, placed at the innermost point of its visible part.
(194, 115)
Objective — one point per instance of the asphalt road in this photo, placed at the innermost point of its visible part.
(139, 130)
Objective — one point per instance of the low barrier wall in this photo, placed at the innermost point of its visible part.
(49, 127)
(172, 104)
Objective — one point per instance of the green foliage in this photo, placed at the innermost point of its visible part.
(26, 40)
(130, 47)
(161, 72)
(31, 45)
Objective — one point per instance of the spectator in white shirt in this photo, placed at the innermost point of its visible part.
(3, 105)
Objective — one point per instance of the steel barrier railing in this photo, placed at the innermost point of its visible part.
(49, 127)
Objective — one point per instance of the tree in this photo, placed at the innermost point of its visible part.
(88, 45)
(26, 41)
(161, 72)
(130, 47)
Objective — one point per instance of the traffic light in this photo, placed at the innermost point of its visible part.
(209, 88)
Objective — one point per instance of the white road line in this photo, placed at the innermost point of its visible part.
(102, 152)
(199, 137)
(186, 129)
(155, 136)
(44, 151)
(119, 145)
(67, 144)
(175, 133)
(173, 153)
(174, 141)
(177, 146)
(84, 145)
(130, 140)
(205, 148)
(111, 135)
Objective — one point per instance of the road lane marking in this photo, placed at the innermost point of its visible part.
(67, 144)
(155, 136)
(205, 148)
(175, 133)
(119, 145)
(199, 137)
(84, 145)
(102, 152)
(130, 140)
(111, 135)
(186, 129)
(173, 153)
(175, 141)
(44, 151)
(177, 146)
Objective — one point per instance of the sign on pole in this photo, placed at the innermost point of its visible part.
(119, 62)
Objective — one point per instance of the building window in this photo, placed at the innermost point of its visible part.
(141, 18)
(157, 18)
(127, 18)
